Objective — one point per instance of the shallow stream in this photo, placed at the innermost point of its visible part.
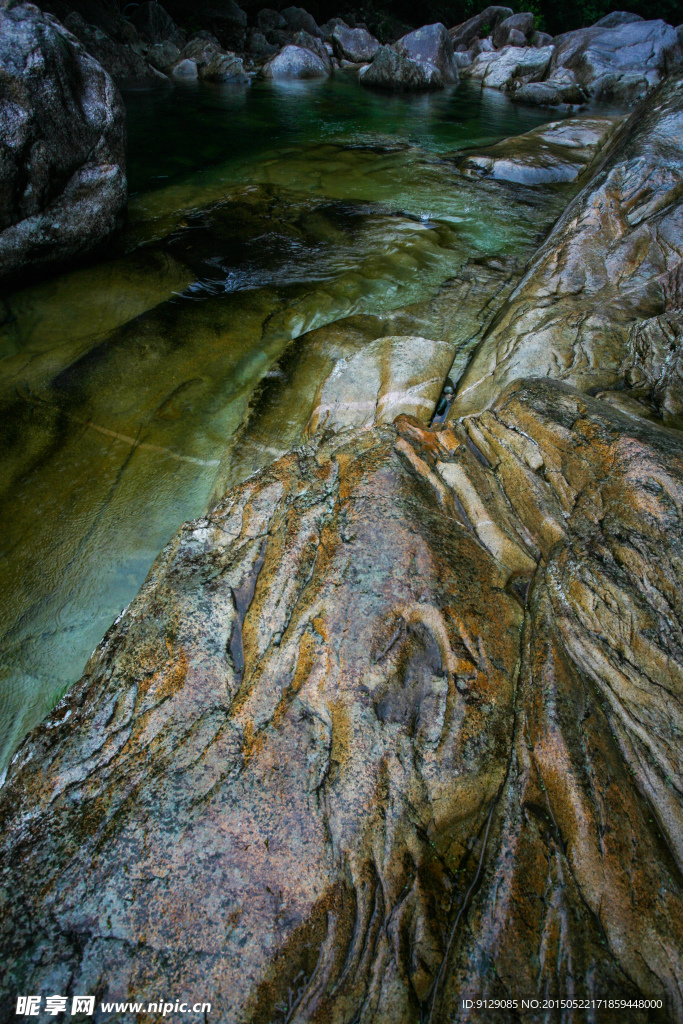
(257, 214)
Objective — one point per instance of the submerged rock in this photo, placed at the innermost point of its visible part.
(295, 62)
(559, 151)
(62, 176)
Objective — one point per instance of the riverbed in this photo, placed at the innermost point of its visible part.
(256, 214)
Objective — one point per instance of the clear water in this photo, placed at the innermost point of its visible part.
(256, 214)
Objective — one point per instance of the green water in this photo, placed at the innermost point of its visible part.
(257, 213)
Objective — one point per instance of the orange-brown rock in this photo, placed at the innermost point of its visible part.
(397, 724)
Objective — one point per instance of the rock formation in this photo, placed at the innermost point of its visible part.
(398, 723)
(62, 174)
(420, 60)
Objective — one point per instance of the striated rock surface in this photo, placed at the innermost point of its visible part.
(619, 61)
(398, 723)
(510, 67)
(391, 69)
(613, 259)
(402, 710)
(62, 175)
(559, 151)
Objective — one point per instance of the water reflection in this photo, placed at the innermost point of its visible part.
(258, 214)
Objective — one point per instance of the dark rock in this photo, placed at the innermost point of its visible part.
(163, 56)
(267, 20)
(515, 38)
(521, 23)
(62, 132)
(540, 39)
(225, 19)
(202, 48)
(155, 24)
(462, 60)
(299, 20)
(122, 62)
(393, 70)
(295, 62)
(480, 46)
(259, 45)
(354, 44)
(431, 45)
(617, 18)
(480, 25)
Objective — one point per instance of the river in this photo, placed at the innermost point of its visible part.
(256, 214)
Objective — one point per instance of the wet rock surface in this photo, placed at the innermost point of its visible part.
(559, 151)
(397, 723)
(613, 258)
(62, 176)
(295, 62)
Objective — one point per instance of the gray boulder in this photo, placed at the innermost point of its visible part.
(295, 62)
(315, 45)
(480, 25)
(227, 21)
(299, 20)
(62, 138)
(431, 45)
(354, 44)
(618, 64)
(510, 67)
(391, 69)
(154, 23)
(617, 18)
(519, 23)
(328, 28)
(462, 60)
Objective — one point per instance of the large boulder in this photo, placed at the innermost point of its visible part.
(354, 44)
(259, 46)
(163, 56)
(155, 23)
(295, 62)
(62, 136)
(223, 18)
(431, 45)
(480, 26)
(315, 45)
(509, 67)
(522, 24)
(621, 63)
(391, 69)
